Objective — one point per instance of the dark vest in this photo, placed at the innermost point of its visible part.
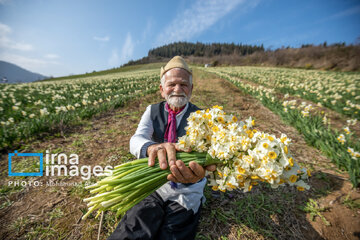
(159, 118)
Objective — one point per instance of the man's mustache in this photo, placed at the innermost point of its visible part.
(177, 95)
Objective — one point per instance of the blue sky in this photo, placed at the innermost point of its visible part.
(65, 37)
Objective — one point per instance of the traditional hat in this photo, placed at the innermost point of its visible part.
(175, 62)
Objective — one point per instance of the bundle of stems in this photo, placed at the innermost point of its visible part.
(133, 181)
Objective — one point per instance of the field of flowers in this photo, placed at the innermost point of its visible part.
(58, 113)
(27, 110)
(337, 91)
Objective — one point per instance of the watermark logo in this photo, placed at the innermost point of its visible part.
(26, 174)
(59, 165)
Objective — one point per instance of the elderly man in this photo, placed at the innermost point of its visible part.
(172, 212)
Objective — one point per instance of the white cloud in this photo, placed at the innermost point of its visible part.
(7, 43)
(147, 30)
(127, 49)
(102, 39)
(4, 29)
(126, 54)
(347, 12)
(113, 60)
(195, 20)
(32, 64)
(51, 56)
(25, 62)
(4, 1)
(344, 13)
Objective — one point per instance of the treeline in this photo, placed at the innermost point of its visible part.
(203, 50)
(336, 56)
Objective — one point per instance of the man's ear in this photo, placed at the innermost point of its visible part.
(161, 91)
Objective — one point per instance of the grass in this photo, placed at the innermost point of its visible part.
(19, 224)
(79, 190)
(6, 203)
(313, 208)
(261, 213)
(353, 204)
(46, 229)
(25, 164)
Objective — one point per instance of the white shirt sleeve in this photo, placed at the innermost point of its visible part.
(143, 134)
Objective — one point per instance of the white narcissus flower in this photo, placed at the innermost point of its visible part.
(341, 138)
(347, 130)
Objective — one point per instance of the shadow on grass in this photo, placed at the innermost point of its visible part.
(265, 213)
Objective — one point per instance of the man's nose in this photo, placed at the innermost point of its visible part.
(178, 88)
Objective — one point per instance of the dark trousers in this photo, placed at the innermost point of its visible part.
(153, 218)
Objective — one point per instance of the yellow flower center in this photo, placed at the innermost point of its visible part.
(215, 128)
(241, 170)
(293, 178)
(272, 155)
(291, 161)
(300, 188)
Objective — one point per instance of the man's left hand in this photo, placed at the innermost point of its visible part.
(191, 174)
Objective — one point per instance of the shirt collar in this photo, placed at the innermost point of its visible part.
(182, 112)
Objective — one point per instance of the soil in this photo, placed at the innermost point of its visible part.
(55, 212)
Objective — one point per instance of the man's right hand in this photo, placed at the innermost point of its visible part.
(165, 152)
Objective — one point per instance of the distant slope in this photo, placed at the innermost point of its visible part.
(133, 68)
(16, 74)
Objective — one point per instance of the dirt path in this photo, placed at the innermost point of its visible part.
(55, 212)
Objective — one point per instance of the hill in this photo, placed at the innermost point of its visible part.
(15, 74)
(337, 56)
(132, 68)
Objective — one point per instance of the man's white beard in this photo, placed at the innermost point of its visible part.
(177, 101)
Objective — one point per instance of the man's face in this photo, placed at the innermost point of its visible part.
(177, 89)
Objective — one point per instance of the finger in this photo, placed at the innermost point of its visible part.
(197, 169)
(181, 150)
(175, 171)
(177, 148)
(161, 154)
(211, 168)
(172, 178)
(189, 149)
(186, 172)
(171, 154)
(152, 156)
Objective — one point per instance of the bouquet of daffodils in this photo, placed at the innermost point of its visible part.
(247, 156)
(244, 156)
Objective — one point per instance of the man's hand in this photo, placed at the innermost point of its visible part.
(160, 151)
(180, 173)
(191, 174)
